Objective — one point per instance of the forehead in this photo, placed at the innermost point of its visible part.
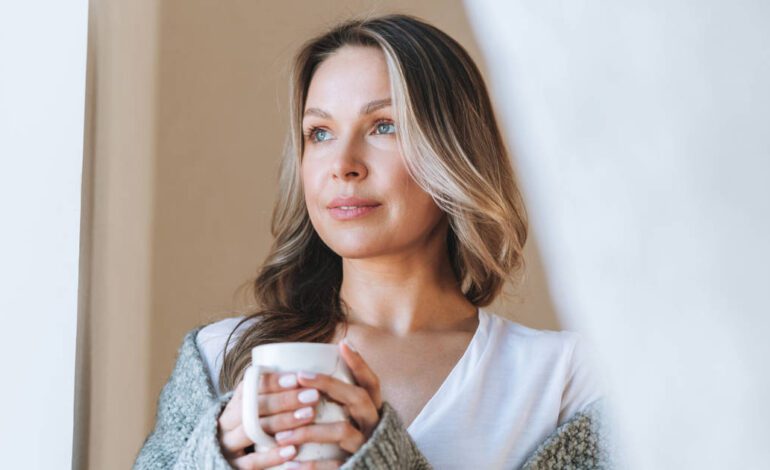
(353, 75)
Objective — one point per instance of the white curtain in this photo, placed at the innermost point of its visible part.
(42, 105)
(641, 134)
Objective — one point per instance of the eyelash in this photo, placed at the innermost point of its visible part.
(310, 133)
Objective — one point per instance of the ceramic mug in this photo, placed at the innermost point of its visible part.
(321, 358)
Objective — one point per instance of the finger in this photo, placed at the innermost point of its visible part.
(270, 382)
(269, 403)
(343, 433)
(233, 442)
(289, 420)
(273, 403)
(260, 460)
(355, 399)
(364, 375)
(231, 415)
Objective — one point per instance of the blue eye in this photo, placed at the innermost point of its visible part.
(314, 132)
(389, 127)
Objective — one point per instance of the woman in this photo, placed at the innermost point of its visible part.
(398, 220)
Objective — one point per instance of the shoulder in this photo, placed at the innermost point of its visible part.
(558, 363)
(217, 330)
(553, 344)
(212, 338)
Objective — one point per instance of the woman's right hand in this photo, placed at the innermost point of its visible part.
(279, 398)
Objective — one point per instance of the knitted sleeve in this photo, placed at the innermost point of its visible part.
(389, 446)
(185, 433)
(585, 441)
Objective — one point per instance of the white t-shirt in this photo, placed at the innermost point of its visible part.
(511, 388)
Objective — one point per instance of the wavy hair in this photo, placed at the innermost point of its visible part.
(453, 150)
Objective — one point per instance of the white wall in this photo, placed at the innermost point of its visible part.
(642, 139)
(42, 86)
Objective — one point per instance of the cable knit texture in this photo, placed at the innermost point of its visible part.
(584, 441)
(185, 433)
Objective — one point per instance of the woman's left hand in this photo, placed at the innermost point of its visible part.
(363, 402)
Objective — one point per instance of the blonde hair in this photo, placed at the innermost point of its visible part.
(453, 150)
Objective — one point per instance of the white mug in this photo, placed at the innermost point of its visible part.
(321, 358)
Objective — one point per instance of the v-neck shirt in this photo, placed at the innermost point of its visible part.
(509, 390)
(452, 384)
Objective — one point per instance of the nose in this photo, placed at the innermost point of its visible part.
(348, 164)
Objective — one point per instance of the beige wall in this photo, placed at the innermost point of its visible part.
(187, 113)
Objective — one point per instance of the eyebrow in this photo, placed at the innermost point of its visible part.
(368, 108)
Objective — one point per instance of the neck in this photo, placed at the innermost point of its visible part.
(405, 294)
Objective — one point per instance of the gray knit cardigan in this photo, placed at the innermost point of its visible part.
(185, 433)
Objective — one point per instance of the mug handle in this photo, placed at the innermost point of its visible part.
(251, 409)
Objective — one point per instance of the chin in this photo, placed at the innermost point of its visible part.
(354, 247)
(349, 252)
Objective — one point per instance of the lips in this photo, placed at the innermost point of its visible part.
(349, 208)
(351, 202)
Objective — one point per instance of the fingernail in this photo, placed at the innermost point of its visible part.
(283, 435)
(304, 413)
(349, 345)
(288, 381)
(291, 464)
(306, 375)
(308, 396)
(287, 451)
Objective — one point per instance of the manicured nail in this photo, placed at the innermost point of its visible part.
(306, 375)
(349, 345)
(283, 435)
(308, 396)
(304, 413)
(291, 464)
(287, 451)
(288, 381)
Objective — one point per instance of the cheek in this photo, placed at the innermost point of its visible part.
(386, 144)
(310, 183)
(312, 193)
(416, 206)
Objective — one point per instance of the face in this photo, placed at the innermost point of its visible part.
(360, 197)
